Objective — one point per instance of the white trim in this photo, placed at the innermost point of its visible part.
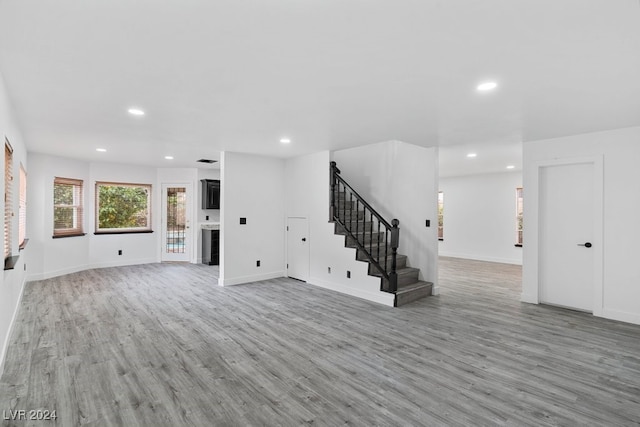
(286, 245)
(379, 297)
(533, 192)
(56, 273)
(250, 279)
(529, 298)
(622, 316)
(481, 258)
(5, 344)
(125, 263)
(191, 225)
(76, 269)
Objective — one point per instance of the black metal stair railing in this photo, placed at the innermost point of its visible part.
(365, 227)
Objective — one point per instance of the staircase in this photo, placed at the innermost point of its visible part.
(376, 242)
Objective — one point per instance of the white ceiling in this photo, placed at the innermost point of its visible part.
(240, 74)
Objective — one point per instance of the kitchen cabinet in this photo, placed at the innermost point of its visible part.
(210, 246)
(210, 193)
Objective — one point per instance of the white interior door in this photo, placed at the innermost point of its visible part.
(298, 248)
(567, 234)
(176, 222)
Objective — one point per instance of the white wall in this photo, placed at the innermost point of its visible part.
(251, 187)
(12, 281)
(620, 150)
(307, 195)
(480, 217)
(50, 257)
(400, 181)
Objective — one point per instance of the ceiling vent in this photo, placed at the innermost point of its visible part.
(206, 161)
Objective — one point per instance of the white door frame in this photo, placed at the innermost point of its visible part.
(190, 233)
(532, 241)
(286, 239)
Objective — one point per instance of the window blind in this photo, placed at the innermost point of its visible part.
(519, 215)
(8, 199)
(68, 208)
(22, 207)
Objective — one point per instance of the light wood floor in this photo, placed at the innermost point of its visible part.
(162, 345)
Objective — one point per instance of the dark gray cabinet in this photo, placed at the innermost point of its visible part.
(210, 246)
(210, 193)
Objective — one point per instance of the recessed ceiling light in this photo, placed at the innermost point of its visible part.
(102, 150)
(486, 86)
(511, 167)
(285, 140)
(472, 155)
(168, 157)
(136, 112)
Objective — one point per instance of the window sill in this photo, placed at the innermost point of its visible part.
(23, 245)
(518, 245)
(10, 262)
(97, 233)
(68, 235)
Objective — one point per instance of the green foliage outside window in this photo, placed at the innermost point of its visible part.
(123, 206)
(63, 211)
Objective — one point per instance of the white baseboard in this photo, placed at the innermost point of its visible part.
(125, 263)
(78, 268)
(376, 296)
(5, 344)
(435, 291)
(481, 258)
(622, 316)
(56, 273)
(249, 279)
(529, 298)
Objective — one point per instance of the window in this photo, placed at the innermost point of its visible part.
(22, 208)
(8, 199)
(68, 208)
(440, 215)
(123, 208)
(519, 212)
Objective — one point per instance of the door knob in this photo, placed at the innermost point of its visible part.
(586, 245)
(304, 239)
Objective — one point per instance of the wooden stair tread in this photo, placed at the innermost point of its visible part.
(362, 257)
(401, 271)
(412, 292)
(413, 286)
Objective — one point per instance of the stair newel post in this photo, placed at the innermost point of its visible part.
(395, 242)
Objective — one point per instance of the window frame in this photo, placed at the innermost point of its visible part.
(124, 230)
(440, 215)
(519, 216)
(22, 207)
(77, 206)
(8, 199)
